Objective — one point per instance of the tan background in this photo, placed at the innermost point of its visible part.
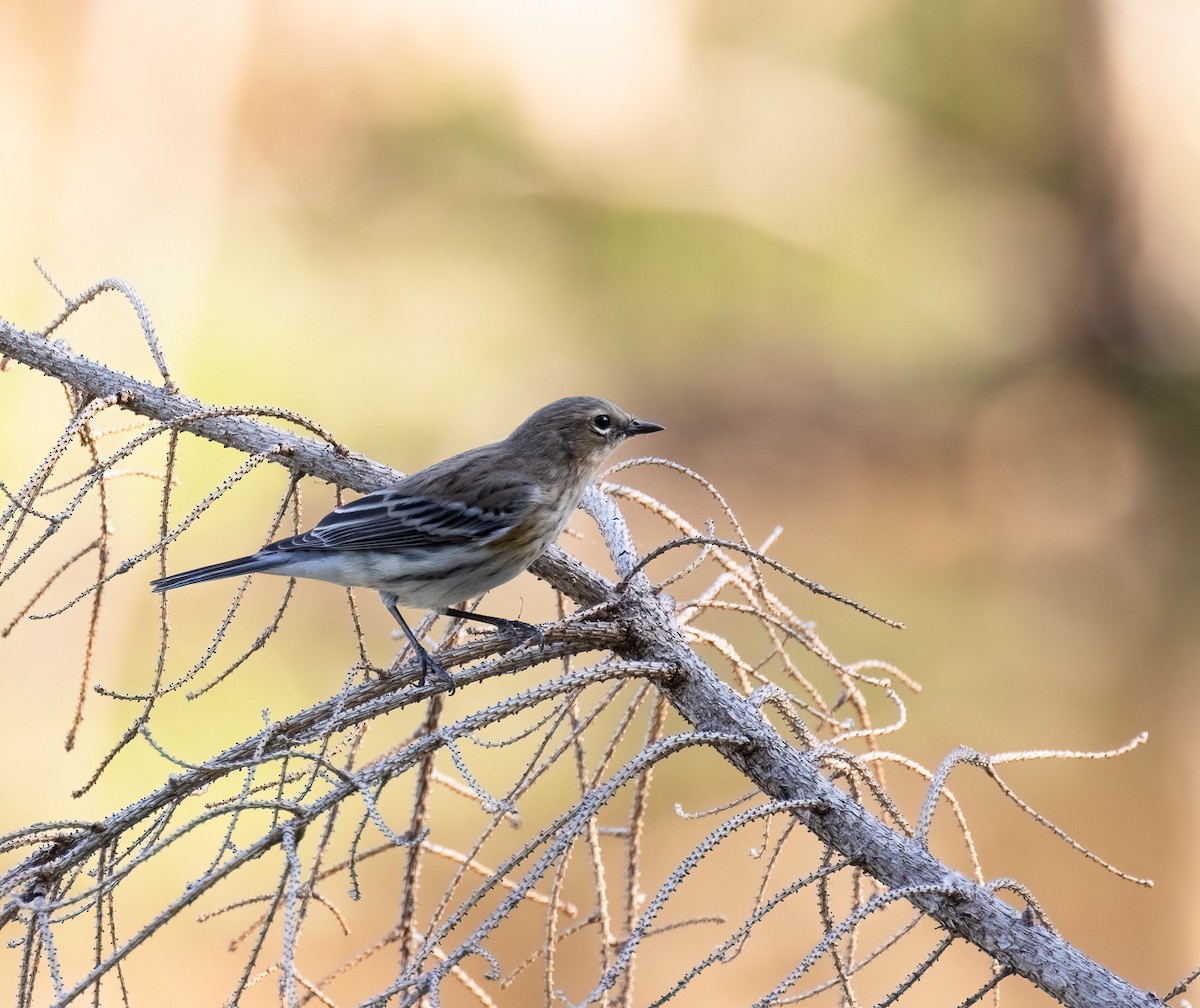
(913, 279)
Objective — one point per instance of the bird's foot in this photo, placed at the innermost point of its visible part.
(520, 632)
(428, 666)
(517, 631)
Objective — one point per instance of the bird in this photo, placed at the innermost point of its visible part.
(456, 529)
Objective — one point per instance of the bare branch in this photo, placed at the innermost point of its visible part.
(557, 780)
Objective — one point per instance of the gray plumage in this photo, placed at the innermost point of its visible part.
(458, 528)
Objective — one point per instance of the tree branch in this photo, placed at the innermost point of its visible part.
(651, 637)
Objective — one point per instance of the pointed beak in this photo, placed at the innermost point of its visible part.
(637, 426)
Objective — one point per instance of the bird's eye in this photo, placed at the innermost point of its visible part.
(602, 422)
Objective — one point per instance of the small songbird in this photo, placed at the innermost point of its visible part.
(457, 529)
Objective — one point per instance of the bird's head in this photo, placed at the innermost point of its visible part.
(581, 429)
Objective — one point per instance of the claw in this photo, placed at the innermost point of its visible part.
(520, 632)
(428, 665)
(516, 631)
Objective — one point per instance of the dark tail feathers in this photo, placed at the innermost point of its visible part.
(213, 572)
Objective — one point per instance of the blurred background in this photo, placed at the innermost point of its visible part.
(913, 279)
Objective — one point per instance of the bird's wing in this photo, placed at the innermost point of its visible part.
(391, 519)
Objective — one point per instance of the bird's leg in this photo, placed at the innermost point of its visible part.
(517, 631)
(427, 663)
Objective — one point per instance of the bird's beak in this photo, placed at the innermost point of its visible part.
(637, 426)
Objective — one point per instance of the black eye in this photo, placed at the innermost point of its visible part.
(602, 422)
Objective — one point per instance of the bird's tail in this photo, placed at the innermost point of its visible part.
(213, 572)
